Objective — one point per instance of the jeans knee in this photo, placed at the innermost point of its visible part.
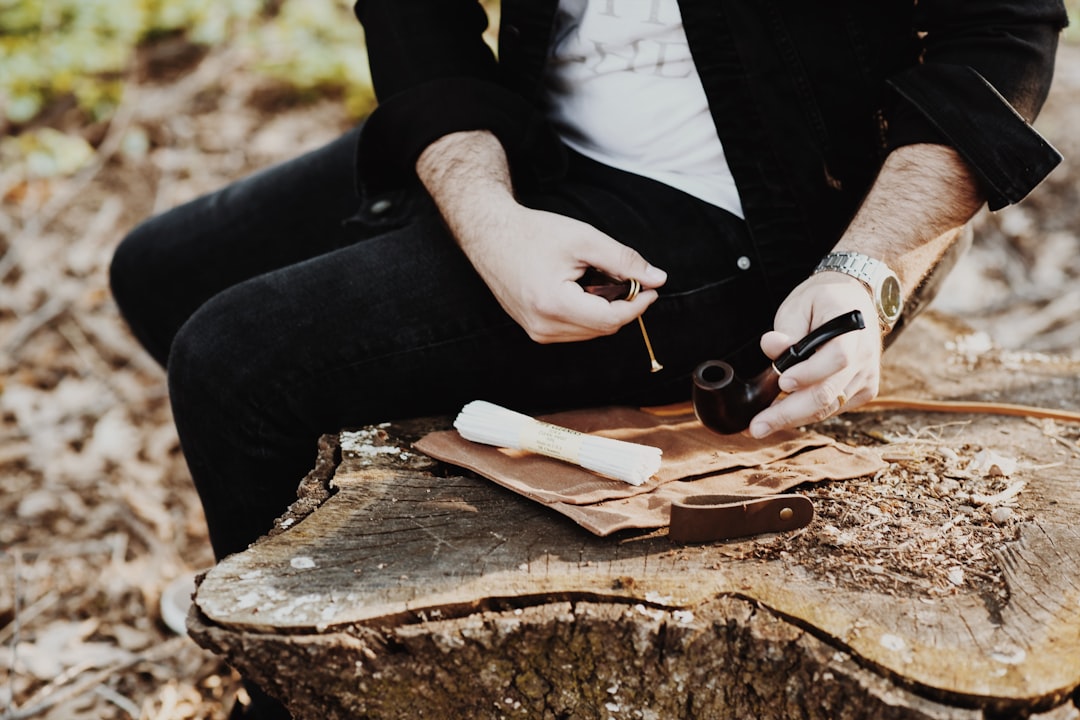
(125, 270)
(137, 281)
(201, 363)
(219, 363)
(205, 392)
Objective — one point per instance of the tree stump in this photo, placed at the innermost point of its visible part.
(401, 588)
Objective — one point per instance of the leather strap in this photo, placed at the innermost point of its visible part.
(894, 402)
(705, 518)
(898, 402)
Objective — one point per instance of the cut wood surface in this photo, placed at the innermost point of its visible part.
(413, 591)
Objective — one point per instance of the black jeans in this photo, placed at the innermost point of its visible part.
(285, 306)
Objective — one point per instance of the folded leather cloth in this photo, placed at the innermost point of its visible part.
(696, 461)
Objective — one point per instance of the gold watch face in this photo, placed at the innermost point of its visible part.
(890, 300)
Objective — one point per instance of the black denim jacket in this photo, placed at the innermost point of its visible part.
(808, 97)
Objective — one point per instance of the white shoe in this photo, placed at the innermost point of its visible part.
(176, 601)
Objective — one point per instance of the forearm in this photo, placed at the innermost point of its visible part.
(457, 169)
(922, 196)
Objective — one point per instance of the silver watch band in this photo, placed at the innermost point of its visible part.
(855, 264)
(879, 279)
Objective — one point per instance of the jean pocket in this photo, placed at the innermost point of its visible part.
(717, 320)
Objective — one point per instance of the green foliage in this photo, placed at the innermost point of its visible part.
(1072, 33)
(83, 50)
(316, 45)
(45, 153)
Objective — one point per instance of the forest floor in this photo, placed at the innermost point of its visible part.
(99, 512)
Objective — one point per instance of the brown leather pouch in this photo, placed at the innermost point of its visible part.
(696, 462)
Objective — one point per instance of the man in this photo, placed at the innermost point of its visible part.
(758, 167)
(926, 107)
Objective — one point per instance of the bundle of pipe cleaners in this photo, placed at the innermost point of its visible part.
(490, 424)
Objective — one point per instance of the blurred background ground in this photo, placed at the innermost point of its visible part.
(99, 513)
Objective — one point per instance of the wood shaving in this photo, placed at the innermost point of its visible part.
(925, 524)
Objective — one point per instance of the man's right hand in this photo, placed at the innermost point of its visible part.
(530, 259)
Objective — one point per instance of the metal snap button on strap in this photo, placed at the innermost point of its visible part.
(704, 518)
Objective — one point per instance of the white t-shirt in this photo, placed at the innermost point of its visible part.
(624, 91)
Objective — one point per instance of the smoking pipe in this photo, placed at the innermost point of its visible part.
(725, 403)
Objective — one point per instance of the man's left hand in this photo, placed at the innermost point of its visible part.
(843, 374)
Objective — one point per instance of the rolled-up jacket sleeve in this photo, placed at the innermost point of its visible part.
(984, 75)
(434, 74)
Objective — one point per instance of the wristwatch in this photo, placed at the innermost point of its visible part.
(882, 282)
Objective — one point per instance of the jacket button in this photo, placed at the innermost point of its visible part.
(743, 262)
(380, 206)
